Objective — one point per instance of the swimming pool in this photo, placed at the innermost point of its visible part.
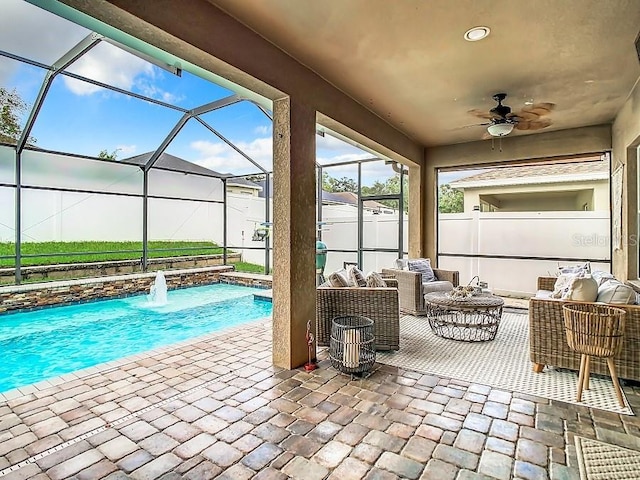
(45, 343)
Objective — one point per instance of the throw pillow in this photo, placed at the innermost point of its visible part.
(579, 287)
(374, 280)
(614, 291)
(601, 276)
(357, 277)
(423, 266)
(401, 263)
(578, 269)
(337, 280)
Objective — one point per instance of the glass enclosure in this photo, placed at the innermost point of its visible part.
(117, 152)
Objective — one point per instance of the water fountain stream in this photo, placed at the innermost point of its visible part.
(158, 291)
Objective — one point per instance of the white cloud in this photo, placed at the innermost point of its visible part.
(107, 64)
(32, 32)
(262, 129)
(126, 150)
(220, 157)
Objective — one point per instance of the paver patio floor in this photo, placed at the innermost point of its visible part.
(217, 408)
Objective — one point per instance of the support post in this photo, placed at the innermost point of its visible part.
(224, 221)
(145, 219)
(18, 219)
(294, 286)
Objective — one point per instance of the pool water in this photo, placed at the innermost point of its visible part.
(45, 343)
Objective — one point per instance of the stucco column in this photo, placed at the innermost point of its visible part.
(416, 211)
(294, 233)
(430, 202)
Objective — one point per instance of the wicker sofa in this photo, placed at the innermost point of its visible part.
(379, 304)
(412, 290)
(548, 342)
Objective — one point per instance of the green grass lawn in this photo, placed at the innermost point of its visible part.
(63, 252)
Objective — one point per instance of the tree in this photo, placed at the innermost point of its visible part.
(105, 155)
(450, 200)
(344, 184)
(12, 107)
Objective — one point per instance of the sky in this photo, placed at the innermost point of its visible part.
(82, 118)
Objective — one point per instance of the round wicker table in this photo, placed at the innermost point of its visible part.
(470, 319)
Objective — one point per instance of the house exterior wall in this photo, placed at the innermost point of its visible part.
(594, 193)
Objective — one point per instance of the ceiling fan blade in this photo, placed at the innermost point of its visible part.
(523, 125)
(480, 114)
(527, 115)
(540, 109)
(538, 124)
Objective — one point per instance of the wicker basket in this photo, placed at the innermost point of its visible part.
(595, 330)
(352, 346)
(592, 329)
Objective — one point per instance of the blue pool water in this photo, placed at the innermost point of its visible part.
(46, 343)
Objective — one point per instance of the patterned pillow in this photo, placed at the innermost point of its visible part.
(374, 279)
(422, 265)
(337, 280)
(357, 277)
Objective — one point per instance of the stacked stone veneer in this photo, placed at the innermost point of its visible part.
(115, 267)
(247, 279)
(72, 291)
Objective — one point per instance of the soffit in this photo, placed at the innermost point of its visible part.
(407, 61)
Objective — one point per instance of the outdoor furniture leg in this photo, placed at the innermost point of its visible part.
(538, 367)
(583, 362)
(587, 367)
(614, 379)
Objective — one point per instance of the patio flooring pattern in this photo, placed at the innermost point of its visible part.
(217, 408)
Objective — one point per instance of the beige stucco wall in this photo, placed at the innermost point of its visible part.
(595, 193)
(625, 140)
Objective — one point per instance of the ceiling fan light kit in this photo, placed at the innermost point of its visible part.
(502, 121)
(500, 129)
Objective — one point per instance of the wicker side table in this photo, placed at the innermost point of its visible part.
(352, 345)
(471, 319)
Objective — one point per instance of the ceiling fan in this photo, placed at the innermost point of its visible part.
(502, 121)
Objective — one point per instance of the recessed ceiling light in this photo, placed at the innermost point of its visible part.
(476, 33)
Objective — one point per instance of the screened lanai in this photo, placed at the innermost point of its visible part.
(114, 150)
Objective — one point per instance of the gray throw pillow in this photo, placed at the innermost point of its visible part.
(423, 266)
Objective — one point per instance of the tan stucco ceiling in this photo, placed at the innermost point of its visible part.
(407, 60)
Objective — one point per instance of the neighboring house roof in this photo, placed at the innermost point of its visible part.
(350, 198)
(533, 174)
(344, 198)
(243, 182)
(170, 162)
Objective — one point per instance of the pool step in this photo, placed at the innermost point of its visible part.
(264, 295)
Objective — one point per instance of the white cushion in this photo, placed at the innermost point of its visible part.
(401, 264)
(375, 280)
(614, 291)
(543, 294)
(601, 276)
(437, 286)
(356, 277)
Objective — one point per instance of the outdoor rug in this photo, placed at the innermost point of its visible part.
(503, 363)
(603, 461)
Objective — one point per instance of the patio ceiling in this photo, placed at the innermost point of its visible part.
(408, 63)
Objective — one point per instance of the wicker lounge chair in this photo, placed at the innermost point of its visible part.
(379, 304)
(548, 340)
(412, 290)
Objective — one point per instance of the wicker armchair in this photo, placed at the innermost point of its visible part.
(379, 304)
(548, 340)
(412, 291)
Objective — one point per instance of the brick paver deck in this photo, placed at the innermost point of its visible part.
(217, 408)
